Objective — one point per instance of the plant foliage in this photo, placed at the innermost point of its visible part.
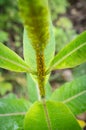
(39, 60)
(73, 94)
(12, 112)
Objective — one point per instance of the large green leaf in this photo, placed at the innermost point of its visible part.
(73, 94)
(33, 91)
(11, 61)
(59, 117)
(12, 112)
(72, 54)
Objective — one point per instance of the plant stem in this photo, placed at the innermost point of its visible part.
(41, 82)
(41, 72)
(46, 114)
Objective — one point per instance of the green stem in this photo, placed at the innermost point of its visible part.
(41, 72)
(41, 82)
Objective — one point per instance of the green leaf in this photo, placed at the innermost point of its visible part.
(11, 61)
(33, 91)
(73, 94)
(59, 117)
(72, 54)
(12, 112)
(48, 90)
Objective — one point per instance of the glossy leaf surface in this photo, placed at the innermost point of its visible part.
(60, 117)
(72, 54)
(11, 61)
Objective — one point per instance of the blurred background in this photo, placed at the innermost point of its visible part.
(69, 19)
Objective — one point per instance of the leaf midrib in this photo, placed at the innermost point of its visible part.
(13, 114)
(48, 121)
(62, 59)
(73, 97)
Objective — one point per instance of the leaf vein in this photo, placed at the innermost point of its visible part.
(13, 114)
(73, 97)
